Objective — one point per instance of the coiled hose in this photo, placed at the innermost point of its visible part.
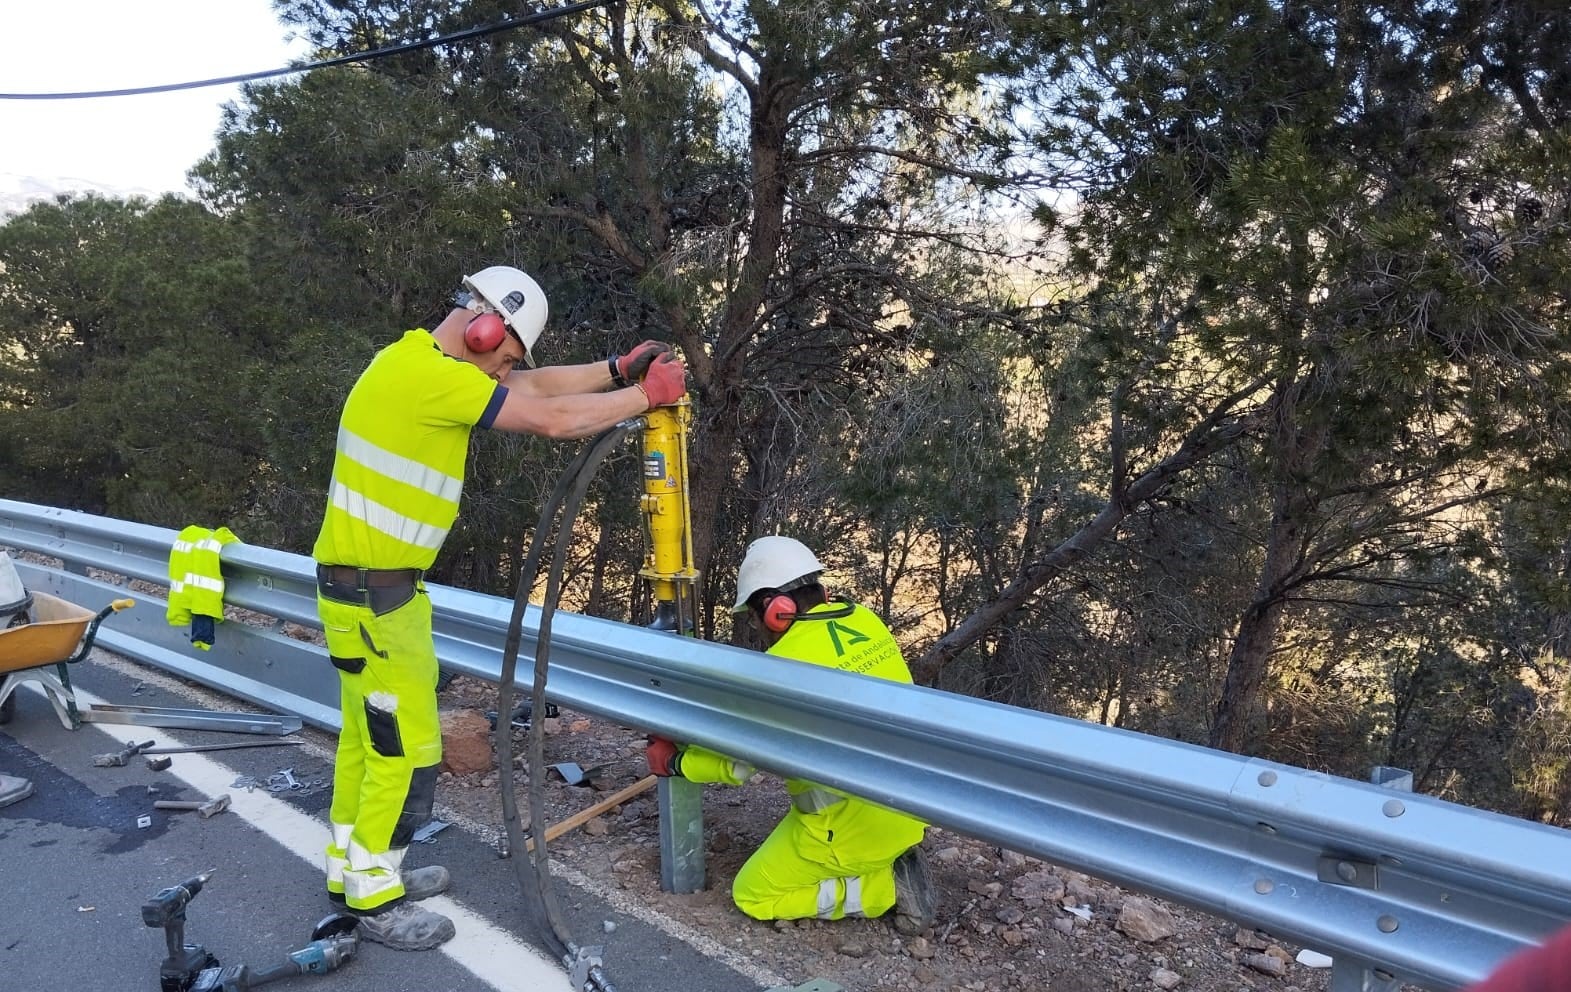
(533, 870)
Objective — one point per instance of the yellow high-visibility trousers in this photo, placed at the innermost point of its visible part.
(390, 747)
(826, 865)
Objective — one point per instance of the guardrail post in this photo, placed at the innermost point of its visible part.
(1358, 976)
(1349, 975)
(681, 835)
(1399, 779)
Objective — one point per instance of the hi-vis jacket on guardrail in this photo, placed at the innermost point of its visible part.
(196, 585)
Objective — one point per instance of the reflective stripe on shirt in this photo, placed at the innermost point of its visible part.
(399, 468)
(389, 522)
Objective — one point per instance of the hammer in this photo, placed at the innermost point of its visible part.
(119, 758)
(210, 808)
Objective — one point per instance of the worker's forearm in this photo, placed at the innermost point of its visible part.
(561, 380)
(569, 417)
(699, 764)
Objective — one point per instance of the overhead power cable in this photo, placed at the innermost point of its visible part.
(380, 53)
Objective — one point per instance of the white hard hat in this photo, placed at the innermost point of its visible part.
(774, 563)
(517, 298)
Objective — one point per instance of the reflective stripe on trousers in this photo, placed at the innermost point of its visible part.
(829, 896)
(337, 856)
(371, 877)
(815, 800)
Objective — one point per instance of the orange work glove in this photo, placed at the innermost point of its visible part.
(665, 759)
(666, 380)
(629, 368)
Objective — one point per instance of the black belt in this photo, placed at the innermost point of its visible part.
(382, 589)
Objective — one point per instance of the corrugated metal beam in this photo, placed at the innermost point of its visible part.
(1433, 892)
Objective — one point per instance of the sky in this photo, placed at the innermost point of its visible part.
(143, 143)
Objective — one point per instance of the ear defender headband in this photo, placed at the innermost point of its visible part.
(777, 611)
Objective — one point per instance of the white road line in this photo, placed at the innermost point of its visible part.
(616, 898)
(493, 955)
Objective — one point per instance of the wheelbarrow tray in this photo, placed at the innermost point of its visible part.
(55, 636)
(42, 652)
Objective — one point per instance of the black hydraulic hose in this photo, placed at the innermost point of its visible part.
(595, 977)
(503, 741)
(567, 499)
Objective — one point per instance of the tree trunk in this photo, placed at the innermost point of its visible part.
(1293, 504)
(594, 606)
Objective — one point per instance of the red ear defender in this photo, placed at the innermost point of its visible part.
(485, 332)
(779, 612)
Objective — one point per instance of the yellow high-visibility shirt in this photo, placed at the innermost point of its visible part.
(858, 642)
(403, 440)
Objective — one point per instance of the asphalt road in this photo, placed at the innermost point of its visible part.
(75, 869)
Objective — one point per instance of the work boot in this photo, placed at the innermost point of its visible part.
(916, 898)
(423, 883)
(419, 883)
(406, 927)
(13, 789)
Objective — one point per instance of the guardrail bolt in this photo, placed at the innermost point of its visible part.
(1387, 923)
(1267, 779)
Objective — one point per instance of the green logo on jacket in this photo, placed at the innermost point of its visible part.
(853, 636)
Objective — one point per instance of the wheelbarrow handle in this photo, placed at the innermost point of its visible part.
(92, 628)
(115, 607)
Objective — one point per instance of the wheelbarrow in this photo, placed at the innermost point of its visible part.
(58, 634)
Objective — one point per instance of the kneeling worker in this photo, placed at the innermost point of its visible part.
(833, 855)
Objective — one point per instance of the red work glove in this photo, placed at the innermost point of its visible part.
(666, 380)
(665, 759)
(630, 368)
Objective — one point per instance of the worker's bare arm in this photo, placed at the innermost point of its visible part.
(559, 380)
(568, 417)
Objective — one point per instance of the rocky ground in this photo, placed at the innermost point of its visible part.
(1005, 920)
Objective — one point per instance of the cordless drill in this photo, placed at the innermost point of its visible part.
(190, 968)
(167, 910)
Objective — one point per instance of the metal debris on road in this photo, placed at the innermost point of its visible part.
(427, 834)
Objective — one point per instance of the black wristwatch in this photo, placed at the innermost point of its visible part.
(616, 375)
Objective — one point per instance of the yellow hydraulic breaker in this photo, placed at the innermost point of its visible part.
(668, 518)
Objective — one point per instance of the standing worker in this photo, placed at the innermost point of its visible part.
(398, 474)
(833, 855)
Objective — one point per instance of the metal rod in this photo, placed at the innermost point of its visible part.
(178, 719)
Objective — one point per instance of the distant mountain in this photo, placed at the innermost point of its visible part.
(18, 192)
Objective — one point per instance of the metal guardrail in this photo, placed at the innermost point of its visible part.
(1396, 887)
